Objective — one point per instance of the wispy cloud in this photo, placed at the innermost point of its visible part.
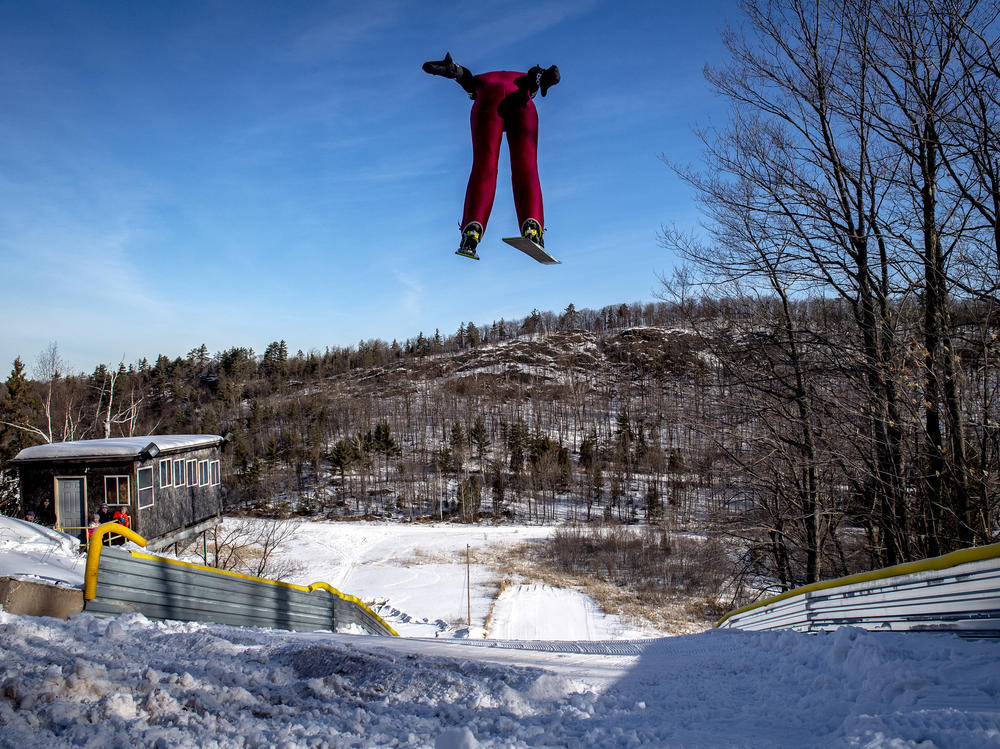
(76, 235)
(357, 24)
(505, 25)
(411, 295)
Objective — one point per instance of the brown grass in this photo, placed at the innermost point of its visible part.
(669, 612)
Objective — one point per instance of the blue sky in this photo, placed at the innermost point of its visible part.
(233, 173)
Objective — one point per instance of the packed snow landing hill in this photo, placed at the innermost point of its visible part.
(128, 681)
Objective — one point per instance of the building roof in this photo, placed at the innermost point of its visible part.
(117, 447)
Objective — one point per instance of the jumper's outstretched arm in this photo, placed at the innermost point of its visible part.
(448, 68)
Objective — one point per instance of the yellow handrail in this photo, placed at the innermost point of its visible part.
(955, 558)
(94, 554)
(94, 559)
(353, 599)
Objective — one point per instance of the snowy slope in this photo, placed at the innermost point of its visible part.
(416, 570)
(417, 576)
(541, 612)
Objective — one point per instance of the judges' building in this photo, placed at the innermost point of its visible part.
(170, 483)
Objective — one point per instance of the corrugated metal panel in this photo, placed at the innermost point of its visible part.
(964, 598)
(165, 589)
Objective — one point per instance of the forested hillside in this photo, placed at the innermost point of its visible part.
(677, 416)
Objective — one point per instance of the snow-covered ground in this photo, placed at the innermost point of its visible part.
(414, 573)
(415, 577)
(541, 612)
(128, 681)
(34, 552)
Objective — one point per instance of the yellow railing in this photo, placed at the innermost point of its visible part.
(68, 528)
(353, 599)
(96, 543)
(955, 558)
(94, 558)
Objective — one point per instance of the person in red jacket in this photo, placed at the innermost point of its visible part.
(121, 517)
(502, 104)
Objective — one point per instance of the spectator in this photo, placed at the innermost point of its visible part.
(47, 515)
(121, 517)
(95, 522)
(30, 516)
(105, 515)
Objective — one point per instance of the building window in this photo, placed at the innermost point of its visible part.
(116, 490)
(216, 470)
(144, 483)
(192, 471)
(166, 472)
(178, 472)
(202, 473)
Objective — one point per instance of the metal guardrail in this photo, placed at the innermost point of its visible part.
(118, 581)
(955, 592)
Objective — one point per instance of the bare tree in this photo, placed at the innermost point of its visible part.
(921, 86)
(252, 546)
(827, 182)
(125, 417)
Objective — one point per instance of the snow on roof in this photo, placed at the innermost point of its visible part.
(116, 447)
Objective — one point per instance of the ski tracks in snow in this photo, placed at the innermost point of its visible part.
(542, 612)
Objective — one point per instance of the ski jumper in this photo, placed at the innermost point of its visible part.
(501, 107)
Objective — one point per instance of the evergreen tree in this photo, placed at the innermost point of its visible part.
(19, 411)
(480, 437)
(516, 439)
(588, 451)
(422, 346)
(457, 445)
(569, 318)
(19, 408)
(343, 456)
(274, 365)
(472, 335)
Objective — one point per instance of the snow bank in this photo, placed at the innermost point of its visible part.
(29, 551)
(129, 681)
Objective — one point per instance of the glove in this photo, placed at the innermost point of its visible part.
(548, 79)
(529, 81)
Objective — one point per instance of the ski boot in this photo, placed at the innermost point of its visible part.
(448, 68)
(471, 235)
(532, 231)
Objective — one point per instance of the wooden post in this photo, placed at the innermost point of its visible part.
(468, 587)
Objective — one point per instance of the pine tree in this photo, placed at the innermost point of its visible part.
(457, 445)
(472, 335)
(569, 318)
(19, 408)
(480, 437)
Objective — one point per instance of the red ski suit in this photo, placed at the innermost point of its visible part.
(501, 107)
